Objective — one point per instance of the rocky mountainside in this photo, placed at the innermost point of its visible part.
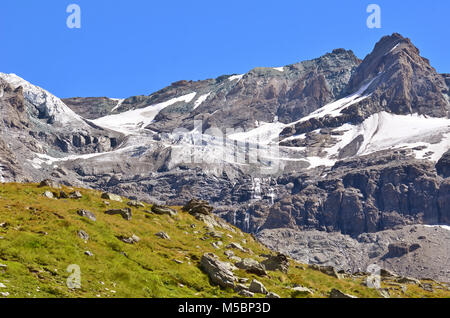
(336, 144)
(62, 242)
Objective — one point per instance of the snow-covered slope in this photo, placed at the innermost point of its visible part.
(133, 121)
(47, 104)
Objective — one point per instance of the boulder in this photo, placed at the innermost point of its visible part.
(328, 270)
(279, 262)
(83, 235)
(136, 204)
(252, 266)
(49, 183)
(48, 195)
(398, 249)
(63, 195)
(336, 293)
(236, 246)
(88, 253)
(272, 295)
(301, 291)
(163, 235)
(257, 287)
(111, 197)
(164, 210)
(129, 240)
(75, 195)
(246, 293)
(125, 213)
(219, 272)
(196, 206)
(87, 214)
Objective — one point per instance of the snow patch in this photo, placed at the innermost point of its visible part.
(200, 100)
(236, 77)
(445, 227)
(279, 69)
(334, 109)
(133, 121)
(119, 103)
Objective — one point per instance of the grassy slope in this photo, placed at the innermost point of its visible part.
(41, 241)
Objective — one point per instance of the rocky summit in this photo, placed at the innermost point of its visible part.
(336, 161)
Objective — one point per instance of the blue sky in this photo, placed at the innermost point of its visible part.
(135, 47)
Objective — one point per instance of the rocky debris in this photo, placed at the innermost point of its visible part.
(136, 204)
(129, 240)
(400, 249)
(336, 293)
(48, 195)
(125, 213)
(353, 255)
(163, 235)
(302, 291)
(75, 195)
(87, 214)
(252, 266)
(88, 253)
(164, 210)
(280, 262)
(49, 183)
(196, 206)
(111, 197)
(272, 295)
(219, 272)
(257, 287)
(83, 235)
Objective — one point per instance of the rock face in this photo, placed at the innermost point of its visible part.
(443, 165)
(219, 272)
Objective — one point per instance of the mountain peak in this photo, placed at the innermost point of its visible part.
(405, 82)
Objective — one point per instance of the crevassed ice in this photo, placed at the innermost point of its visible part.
(42, 98)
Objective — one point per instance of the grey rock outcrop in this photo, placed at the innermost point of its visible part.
(219, 272)
(125, 213)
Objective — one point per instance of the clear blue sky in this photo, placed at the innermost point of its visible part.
(134, 47)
